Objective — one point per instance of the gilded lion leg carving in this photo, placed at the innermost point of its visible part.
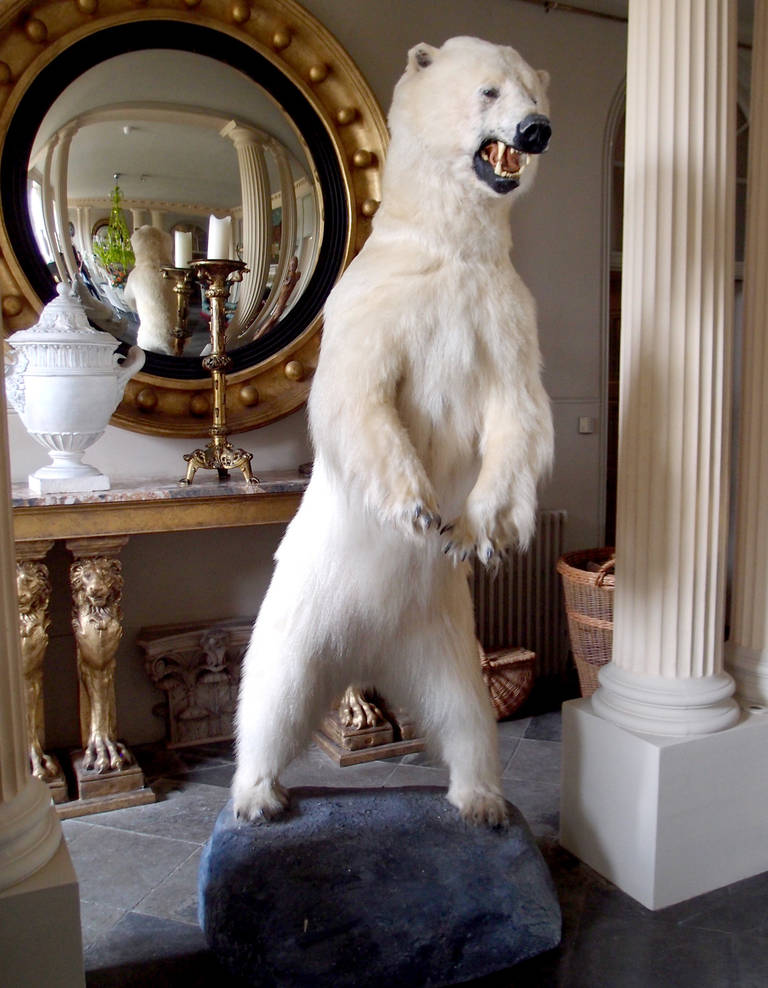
(356, 711)
(97, 583)
(33, 589)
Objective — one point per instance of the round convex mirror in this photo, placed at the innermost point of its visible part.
(117, 118)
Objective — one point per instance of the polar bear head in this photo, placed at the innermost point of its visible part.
(470, 112)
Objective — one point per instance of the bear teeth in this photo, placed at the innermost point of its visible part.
(498, 154)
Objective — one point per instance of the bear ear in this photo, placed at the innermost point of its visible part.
(420, 57)
(544, 78)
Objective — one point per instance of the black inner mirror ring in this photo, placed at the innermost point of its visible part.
(117, 40)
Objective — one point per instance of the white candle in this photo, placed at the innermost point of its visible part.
(182, 249)
(219, 238)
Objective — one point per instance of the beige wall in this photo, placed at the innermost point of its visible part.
(559, 244)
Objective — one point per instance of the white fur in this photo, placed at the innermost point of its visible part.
(150, 294)
(427, 401)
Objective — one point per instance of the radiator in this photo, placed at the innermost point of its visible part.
(521, 603)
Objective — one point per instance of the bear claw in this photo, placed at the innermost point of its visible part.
(424, 519)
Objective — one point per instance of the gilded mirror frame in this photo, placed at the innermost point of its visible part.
(33, 33)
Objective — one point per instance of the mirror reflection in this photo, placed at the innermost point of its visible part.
(156, 158)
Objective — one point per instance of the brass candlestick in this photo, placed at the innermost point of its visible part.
(216, 277)
(183, 284)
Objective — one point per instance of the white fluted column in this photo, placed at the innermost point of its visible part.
(29, 829)
(677, 298)
(40, 937)
(747, 649)
(257, 222)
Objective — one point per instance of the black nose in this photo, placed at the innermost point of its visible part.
(533, 134)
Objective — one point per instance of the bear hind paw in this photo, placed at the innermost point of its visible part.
(264, 801)
(482, 808)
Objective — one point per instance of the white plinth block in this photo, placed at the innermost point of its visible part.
(665, 819)
(40, 940)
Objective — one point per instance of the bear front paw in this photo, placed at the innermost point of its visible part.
(261, 802)
(462, 542)
(415, 513)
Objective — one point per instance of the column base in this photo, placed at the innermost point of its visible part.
(664, 819)
(29, 833)
(40, 937)
(749, 667)
(668, 707)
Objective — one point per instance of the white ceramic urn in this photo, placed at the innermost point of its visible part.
(65, 380)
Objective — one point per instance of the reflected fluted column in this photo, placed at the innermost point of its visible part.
(49, 221)
(667, 672)
(747, 650)
(257, 222)
(83, 233)
(287, 231)
(60, 169)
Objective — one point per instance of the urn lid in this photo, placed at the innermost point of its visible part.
(64, 321)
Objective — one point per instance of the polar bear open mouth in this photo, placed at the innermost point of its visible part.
(500, 165)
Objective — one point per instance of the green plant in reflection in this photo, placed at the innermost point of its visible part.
(113, 248)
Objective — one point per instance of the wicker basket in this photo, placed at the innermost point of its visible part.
(509, 675)
(588, 584)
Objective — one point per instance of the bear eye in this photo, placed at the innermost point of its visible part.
(490, 93)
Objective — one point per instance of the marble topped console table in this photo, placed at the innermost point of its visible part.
(94, 527)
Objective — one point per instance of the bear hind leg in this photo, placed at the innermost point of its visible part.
(450, 700)
(287, 685)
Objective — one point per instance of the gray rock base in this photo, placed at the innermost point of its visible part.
(373, 887)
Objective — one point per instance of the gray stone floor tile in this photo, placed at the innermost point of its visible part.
(176, 897)
(539, 802)
(545, 727)
(515, 727)
(418, 775)
(219, 774)
(424, 758)
(185, 811)
(75, 830)
(119, 868)
(738, 908)
(157, 761)
(751, 961)
(96, 918)
(507, 747)
(614, 951)
(315, 768)
(539, 760)
(147, 952)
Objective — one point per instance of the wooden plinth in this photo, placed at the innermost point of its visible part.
(57, 786)
(100, 791)
(350, 746)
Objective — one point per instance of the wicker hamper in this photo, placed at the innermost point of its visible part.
(588, 584)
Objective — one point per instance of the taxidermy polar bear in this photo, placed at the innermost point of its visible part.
(151, 295)
(426, 408)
